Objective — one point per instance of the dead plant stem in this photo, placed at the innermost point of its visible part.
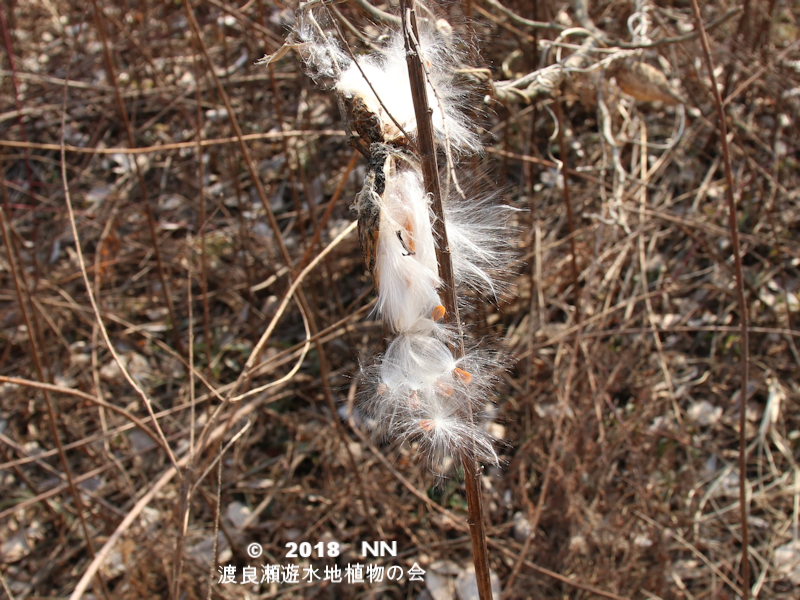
(562, 144)
(207, 341)
(740, 293)
(17, 276)
(430, 173)
(88, 398)
(151, 222)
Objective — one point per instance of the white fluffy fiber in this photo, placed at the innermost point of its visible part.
(384, 75)
(478, 231)
(417, 391)
(387, 73)
(408, 282)
(421, 393)
(321, 52)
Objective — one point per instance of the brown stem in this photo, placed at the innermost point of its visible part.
(203, 217)
(737, 258)
(430, 170)
(430, 173)
(567, 201)
(99, 15)
(19, 285)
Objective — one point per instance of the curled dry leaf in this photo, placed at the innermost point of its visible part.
(646, 83)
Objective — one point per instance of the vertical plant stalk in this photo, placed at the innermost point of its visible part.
(99, 15)
(430, 174)
(561, 124)
(737, 258)
(19, 284)
(207, 341)
(20, 121)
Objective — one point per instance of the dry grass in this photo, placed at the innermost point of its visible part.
(620, 413)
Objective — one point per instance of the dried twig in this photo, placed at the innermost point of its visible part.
(546, 80)
(430, 171)
(87, 398)
(37, 360)
(209, 143)
(740, 296)
(99, 15)
(378, 14)
(522, 20)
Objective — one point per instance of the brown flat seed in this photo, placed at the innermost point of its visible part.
(444, 389)
(438, 312)
(427, 424)
(382, 389)
(463, 375)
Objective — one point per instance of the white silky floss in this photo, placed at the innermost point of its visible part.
(424, 394)
(388, 75)
(381, 80)
(406, 253)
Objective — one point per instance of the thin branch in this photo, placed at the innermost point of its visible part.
(430, 169)
(568, 203)
(134, 513)
(378, 14)
(93, 301)
(740, 295)
(523, 21)
(686, 37)
(581, 9)
(544, 81)
(270, 135)
(88, 398)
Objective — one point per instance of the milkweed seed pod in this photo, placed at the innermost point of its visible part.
(399, 247)
(417, 391)
(376, 87)
(380, 83)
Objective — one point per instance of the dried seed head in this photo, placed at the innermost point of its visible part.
(416, 391)
(417, 379)
(380, 81)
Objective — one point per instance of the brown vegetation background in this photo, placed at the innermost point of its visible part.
(619, 412)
